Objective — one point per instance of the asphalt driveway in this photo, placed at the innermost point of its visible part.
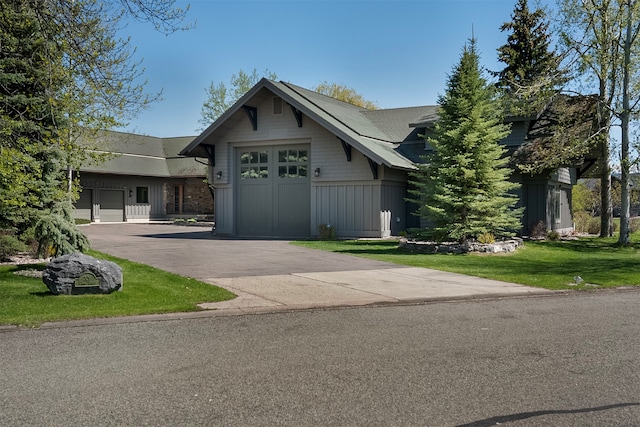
(271, 275)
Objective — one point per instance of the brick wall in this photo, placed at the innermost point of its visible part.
(197, 199)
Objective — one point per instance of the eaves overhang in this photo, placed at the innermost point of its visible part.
(380, 151)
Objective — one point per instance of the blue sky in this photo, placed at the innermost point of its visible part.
(394, 53)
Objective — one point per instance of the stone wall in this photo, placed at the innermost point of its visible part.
(460, 248)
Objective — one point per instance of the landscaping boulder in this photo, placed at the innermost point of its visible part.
(500, 246)
(82, 274)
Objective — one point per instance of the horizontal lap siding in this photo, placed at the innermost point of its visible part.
(517, 135)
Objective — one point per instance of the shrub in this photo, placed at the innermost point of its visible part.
(192, 220)
(326, 232)
(634, 224)
(553, 235)
(486, 238)
(10, 245)
(538, 230)
(80, 221)
(581, 221)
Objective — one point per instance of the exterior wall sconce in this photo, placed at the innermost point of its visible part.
(219, 175)
(316, 172)
(130, 193)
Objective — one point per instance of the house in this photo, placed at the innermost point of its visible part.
(285, 160)
(144, 178)
(568, 124)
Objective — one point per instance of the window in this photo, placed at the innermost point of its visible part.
(292, 164)
(254, 165)
(557, 204)
(142, 194)
(178, 198)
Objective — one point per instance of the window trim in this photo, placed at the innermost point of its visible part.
(142, 195)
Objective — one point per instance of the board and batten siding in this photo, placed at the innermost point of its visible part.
(345, 194)
(351, 208)
(224, 209)
(133, 212)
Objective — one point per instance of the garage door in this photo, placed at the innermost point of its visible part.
(273, 191)
(111, 205)
(83, 205)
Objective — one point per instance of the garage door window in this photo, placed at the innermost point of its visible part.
(292, 164)
(254, 165)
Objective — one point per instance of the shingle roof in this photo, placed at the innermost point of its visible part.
(143, 155)
(375, 133)
(562, 135)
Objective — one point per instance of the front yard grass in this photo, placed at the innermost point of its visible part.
(545, 264)
(26, 301)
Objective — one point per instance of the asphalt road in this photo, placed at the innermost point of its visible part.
(553, 361)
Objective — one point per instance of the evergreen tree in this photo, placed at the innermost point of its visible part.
(64, 76)
(32, 160)
(532, 71)
(463, 189)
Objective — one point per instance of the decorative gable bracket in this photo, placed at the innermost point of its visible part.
(297, 114)
(581, 170)
(252, 113)
(211, 153)
(347, 149)
(374, 168)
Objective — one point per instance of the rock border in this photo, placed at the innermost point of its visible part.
(502, 246)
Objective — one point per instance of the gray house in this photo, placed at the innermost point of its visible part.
(144, 179)
(285, 160)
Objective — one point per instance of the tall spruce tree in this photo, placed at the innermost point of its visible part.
(532, 69)
(463, 189)
(32, 160)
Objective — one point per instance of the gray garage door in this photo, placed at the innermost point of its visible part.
(111, 205)
(83, 205)
(273, 191)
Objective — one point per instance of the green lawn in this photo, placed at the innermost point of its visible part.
(146, 290)
(545, 264)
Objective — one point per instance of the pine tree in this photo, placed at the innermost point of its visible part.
(463, 189)
(532, 71)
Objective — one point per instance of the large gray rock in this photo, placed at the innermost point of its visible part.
(82, 274)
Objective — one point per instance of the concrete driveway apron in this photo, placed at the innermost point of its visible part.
(269, 275)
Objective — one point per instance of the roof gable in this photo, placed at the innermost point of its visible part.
(375, 133)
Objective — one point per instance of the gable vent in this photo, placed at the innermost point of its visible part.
(277, 106)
